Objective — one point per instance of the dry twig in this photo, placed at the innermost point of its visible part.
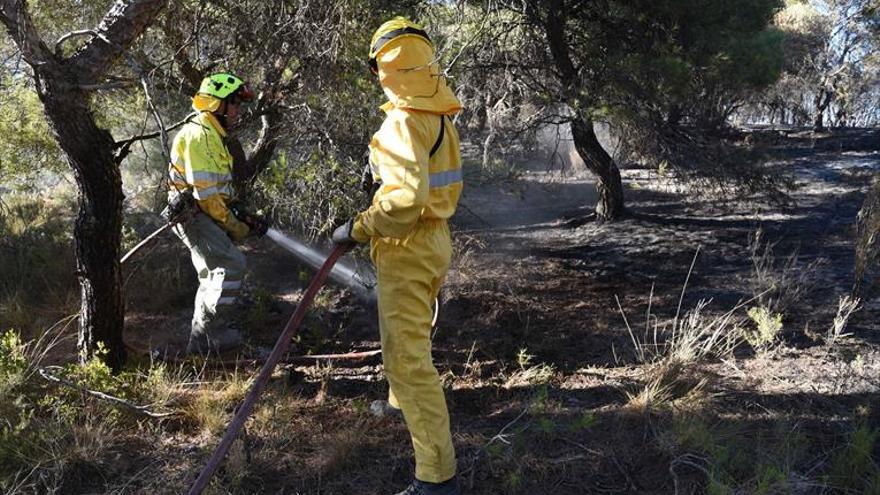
(103, 396)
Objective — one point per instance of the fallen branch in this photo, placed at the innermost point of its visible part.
(503, 437)
(469, 472)
(101, 395)
(224, 363)
(353, 356)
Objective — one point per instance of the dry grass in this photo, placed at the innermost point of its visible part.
(672, 352)
(668, 383)
(846, 306)
(778, 284)
(209, 407)
(529, 374)
(464, 271)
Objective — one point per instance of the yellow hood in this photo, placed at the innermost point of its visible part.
(410, 77)
(205, 103)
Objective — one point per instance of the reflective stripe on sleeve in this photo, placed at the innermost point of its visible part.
(235, 284)
(226, 300)
(202, 194)
(442, 179)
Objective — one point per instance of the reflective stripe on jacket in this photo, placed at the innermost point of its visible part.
(414, 184)
(201, 163)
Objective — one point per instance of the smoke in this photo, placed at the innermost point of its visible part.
(556, 141)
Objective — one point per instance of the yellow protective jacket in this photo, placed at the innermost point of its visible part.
(415, 184)
(201, 163)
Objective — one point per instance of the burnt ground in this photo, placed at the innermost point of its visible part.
(534, 276)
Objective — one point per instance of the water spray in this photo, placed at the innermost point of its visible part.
(341, 273)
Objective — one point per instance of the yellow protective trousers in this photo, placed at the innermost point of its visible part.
(409, 273)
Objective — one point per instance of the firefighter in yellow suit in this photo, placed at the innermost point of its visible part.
(416, 158)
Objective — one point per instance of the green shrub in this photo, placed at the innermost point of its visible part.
(767, 328)
(13, 362)
(28, 150)
(854, 468)
(312, 193)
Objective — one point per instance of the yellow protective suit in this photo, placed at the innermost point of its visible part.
(409, 236)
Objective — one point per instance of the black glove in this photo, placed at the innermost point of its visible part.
(342, 234)
(181, 207)
(257, 224)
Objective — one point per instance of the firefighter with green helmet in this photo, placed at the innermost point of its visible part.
(201, 165)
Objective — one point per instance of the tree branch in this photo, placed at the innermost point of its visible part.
(15, 16)
(151, 135)
(107, 85)
(190, 72)
(70, 35)
(121, 26)
(123, 146)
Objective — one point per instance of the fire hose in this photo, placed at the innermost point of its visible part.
(179, 209)
(278, 351)
(144, 242)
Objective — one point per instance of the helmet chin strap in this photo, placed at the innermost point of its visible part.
(221, 114)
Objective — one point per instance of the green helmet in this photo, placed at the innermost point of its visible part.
(223, 85)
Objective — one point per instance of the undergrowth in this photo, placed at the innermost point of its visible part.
(672, 353)
(775, 458)
(38, 281)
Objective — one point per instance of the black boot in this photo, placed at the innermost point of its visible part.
(448, 487)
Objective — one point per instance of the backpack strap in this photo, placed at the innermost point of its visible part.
(439, 138)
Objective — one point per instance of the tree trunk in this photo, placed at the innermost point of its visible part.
(246, 168)
(840, 117)
(489, 122)
(818, 121)
(610, 205)
(821, 102)
(89, 151)
(608, 183)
